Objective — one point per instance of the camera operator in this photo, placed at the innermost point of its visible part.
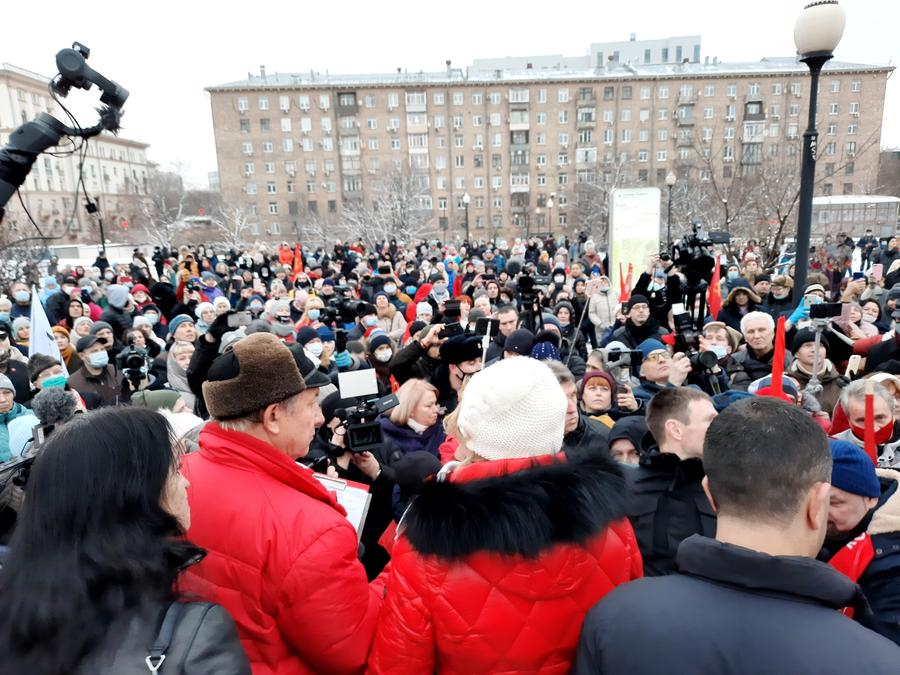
(661, 286)
(328, 453)
(721, 340)
(660, 369)
(99, 383)
(421, 357)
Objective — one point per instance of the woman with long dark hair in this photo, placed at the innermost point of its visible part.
(91, 578)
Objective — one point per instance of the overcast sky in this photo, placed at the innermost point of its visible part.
(166, 52)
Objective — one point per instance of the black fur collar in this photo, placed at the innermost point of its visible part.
(523, 513)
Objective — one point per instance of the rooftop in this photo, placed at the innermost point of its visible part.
(614, 71)
(837, 200)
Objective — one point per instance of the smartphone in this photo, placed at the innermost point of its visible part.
(450, 330)
(340, 341)
(487, 277)
(239, 319)
(483, 325)
(825, 310)
(877, 271)
(859, 275)
(853, 366)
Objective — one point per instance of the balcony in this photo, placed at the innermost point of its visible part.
(347, 104)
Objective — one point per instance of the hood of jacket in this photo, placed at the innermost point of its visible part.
(886, 518)
(516, 507)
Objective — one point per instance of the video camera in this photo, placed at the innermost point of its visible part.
(44, 132)
(364, 433)
(134, 362)
(687, 340)
(693, 254)
(621, 363)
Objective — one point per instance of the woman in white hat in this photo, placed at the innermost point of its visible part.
(498, 563)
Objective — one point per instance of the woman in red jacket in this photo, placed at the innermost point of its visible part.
(497, 564)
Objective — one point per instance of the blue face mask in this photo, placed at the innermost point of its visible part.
(21, 296)
(4, 316)
(410, 290)
(152, 318)
(57, 381)
(371, 321)
(314, 314)
(732, 275)
(98, 359)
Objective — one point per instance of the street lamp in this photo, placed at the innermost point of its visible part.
(550, 214)
(670, 181)
(725, 206)
(818, 31)
(466, 200)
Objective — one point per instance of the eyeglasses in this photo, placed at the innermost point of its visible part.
(658, 356)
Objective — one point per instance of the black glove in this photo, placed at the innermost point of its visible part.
(219, 327)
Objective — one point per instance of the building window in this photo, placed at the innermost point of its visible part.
(664, 54)
(663, 114)
(662, 134)
(609, 93)
(250, 188)
(776, 88)
(855, 85)
(265, 124)
(833, 108)
(269, 167)
(646, 56)
(495, 98)
(854, 108)
(708, 113)
(270, 188)
(849, 169)
(249, 168)
(626, 115)
(852, 129)
(626, 92)
(287, 145)
(458, 98)
(563, 116)
(662, 155)
(835, 86)
(273, 208)
(709, 90)
(643, 156)
(540, 118)
(268, 146)
(796, 89)
(662, 92)
(245, 126)
(243, 104)
(303, 102)
(438, 98)
(645, 93)
(731, 90)
(395, 144)
(263, 102)
(562, 96)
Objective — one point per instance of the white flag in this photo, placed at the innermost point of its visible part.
(42, 339)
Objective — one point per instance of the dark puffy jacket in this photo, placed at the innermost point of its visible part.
(590, 437)
(631, 336)
(733, 611)
(666, 505)
(755, 366)
(497, 566)
(205, 641)
(413, 361)
(118, 319)
(406, 440)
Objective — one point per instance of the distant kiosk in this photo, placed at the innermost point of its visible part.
(854, 214)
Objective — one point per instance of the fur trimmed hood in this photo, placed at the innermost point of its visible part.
(523, 513)
(886, 518)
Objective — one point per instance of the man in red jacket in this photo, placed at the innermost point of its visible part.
(282, 557)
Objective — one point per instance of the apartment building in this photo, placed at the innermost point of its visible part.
(511, 148)
(115, 171)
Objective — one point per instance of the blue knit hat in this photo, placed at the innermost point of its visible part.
(325, 333)
(545, 351)
(177, 321)
(649, 346)
(852, 470)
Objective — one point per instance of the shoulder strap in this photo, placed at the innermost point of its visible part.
(157, 652)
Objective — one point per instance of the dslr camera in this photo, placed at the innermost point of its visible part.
(687, 340)
(134, 362)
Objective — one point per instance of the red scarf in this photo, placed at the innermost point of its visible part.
(852, 561)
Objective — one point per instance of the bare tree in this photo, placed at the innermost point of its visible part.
(163, 210)
(593, 184)
(233, 227)
(399, 206)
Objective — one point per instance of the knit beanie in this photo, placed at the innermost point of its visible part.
(100, 325)
(380, 340)
(177, 321)
(202, 307)
(520, 342)
(805, 335)
(851, 470)
(513, 409)
(20, 322)
(117, 295)
(637, 300)
(649, 346)
(6, 383)
(424, 308)
(257, 372)
(551, 319)
(80, 320)
(545, 351)
(325, 333)
(307, 334)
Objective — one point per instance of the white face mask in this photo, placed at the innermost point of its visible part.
(721, 351)
(384, 355)
(315, 348)
(868, 319)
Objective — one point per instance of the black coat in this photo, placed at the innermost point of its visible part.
(118, 319)
(666, 505)
(589, 438)
(413, 361)
(883, 351)
(631, 336)
(733, 611)
(758, 366)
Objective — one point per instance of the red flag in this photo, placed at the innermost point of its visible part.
(714, 297)
(623, 294)
(629, 280)
(778, 360)
(298, 259)
(871, 447)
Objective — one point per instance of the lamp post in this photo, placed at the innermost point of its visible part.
(725, 206)
(818, 31)
(670, 181)
(466, 200)
(550, 214)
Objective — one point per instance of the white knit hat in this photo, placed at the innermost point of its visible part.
(515, 408)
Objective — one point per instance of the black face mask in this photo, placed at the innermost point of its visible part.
(284, 319)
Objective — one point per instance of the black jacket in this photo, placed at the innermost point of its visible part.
(589, 438)
(57, 307)
(757, 366)
(666, 505)
(631, 336)
(413, 361)
(118, 319)
(205, 641)
(883, 351)
(733, 611)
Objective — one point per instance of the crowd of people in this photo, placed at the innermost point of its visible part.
(559, 468)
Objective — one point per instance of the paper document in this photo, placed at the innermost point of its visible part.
(354, 497)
